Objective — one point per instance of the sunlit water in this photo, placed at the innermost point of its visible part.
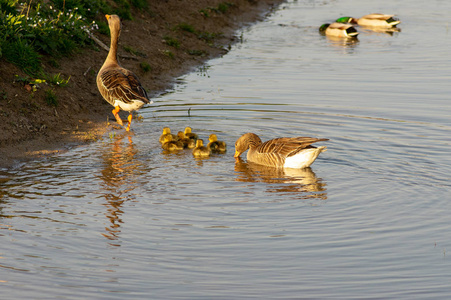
(120, 219)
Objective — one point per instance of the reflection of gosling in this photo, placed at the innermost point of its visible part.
(189, 134)
(170, 144)
(166, 132)
(201, 150)
(215, 145)
(187, 142)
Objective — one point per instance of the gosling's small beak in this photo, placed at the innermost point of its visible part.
(107, 17)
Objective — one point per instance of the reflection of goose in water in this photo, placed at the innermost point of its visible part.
(118, 173)
(287, 179)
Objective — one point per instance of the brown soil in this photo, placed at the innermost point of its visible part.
(32, 128)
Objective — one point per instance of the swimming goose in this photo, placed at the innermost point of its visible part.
(166, 132)
(189, 134)
(376, 20)
(200, 150)
(215, 145)
(338, 30)
(118, 86)
(170, 144)
(284, 152)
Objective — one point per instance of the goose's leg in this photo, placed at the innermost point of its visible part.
(116, 115)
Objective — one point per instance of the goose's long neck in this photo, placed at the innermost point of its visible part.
(112, 54)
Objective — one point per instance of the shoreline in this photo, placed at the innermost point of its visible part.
(33, 129)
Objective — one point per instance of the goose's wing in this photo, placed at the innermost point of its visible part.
(286, 146)
(122, 84)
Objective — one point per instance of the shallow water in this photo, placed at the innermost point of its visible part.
(121, 219)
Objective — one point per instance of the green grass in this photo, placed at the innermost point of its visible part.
(50, 98)
(145, 66)
(133, 51)
(222, 8)
(58, 28)
(57, 80)
(23, 55)
(197, 52)
(168, 53)
(186, 27)
(170, 41)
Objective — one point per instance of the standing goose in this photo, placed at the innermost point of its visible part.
(338, 30)
(284, 152)
(374, 20)
(118, 86)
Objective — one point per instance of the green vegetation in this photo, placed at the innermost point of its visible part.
(133, 51)
(197, 52)
(50, 98)
(29, 30)
(167, 53)
(57, 80)
(185, 27)
(222, 8)
(208, 37)
(56, 28)
(145, 66)
(170, 41)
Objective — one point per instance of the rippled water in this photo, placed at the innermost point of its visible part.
(120, 219)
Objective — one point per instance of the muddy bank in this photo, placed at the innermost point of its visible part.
(168, 40)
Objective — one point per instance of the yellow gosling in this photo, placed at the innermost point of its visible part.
(215, 145)
(190, 134)
(171, 145)
(187, 142)
(200, 150)
(166, 132)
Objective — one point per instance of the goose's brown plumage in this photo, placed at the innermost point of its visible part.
(118, 86)
(295, 152)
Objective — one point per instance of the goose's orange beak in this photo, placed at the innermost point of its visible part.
(107, 17)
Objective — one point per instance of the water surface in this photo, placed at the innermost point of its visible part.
(121, 219)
